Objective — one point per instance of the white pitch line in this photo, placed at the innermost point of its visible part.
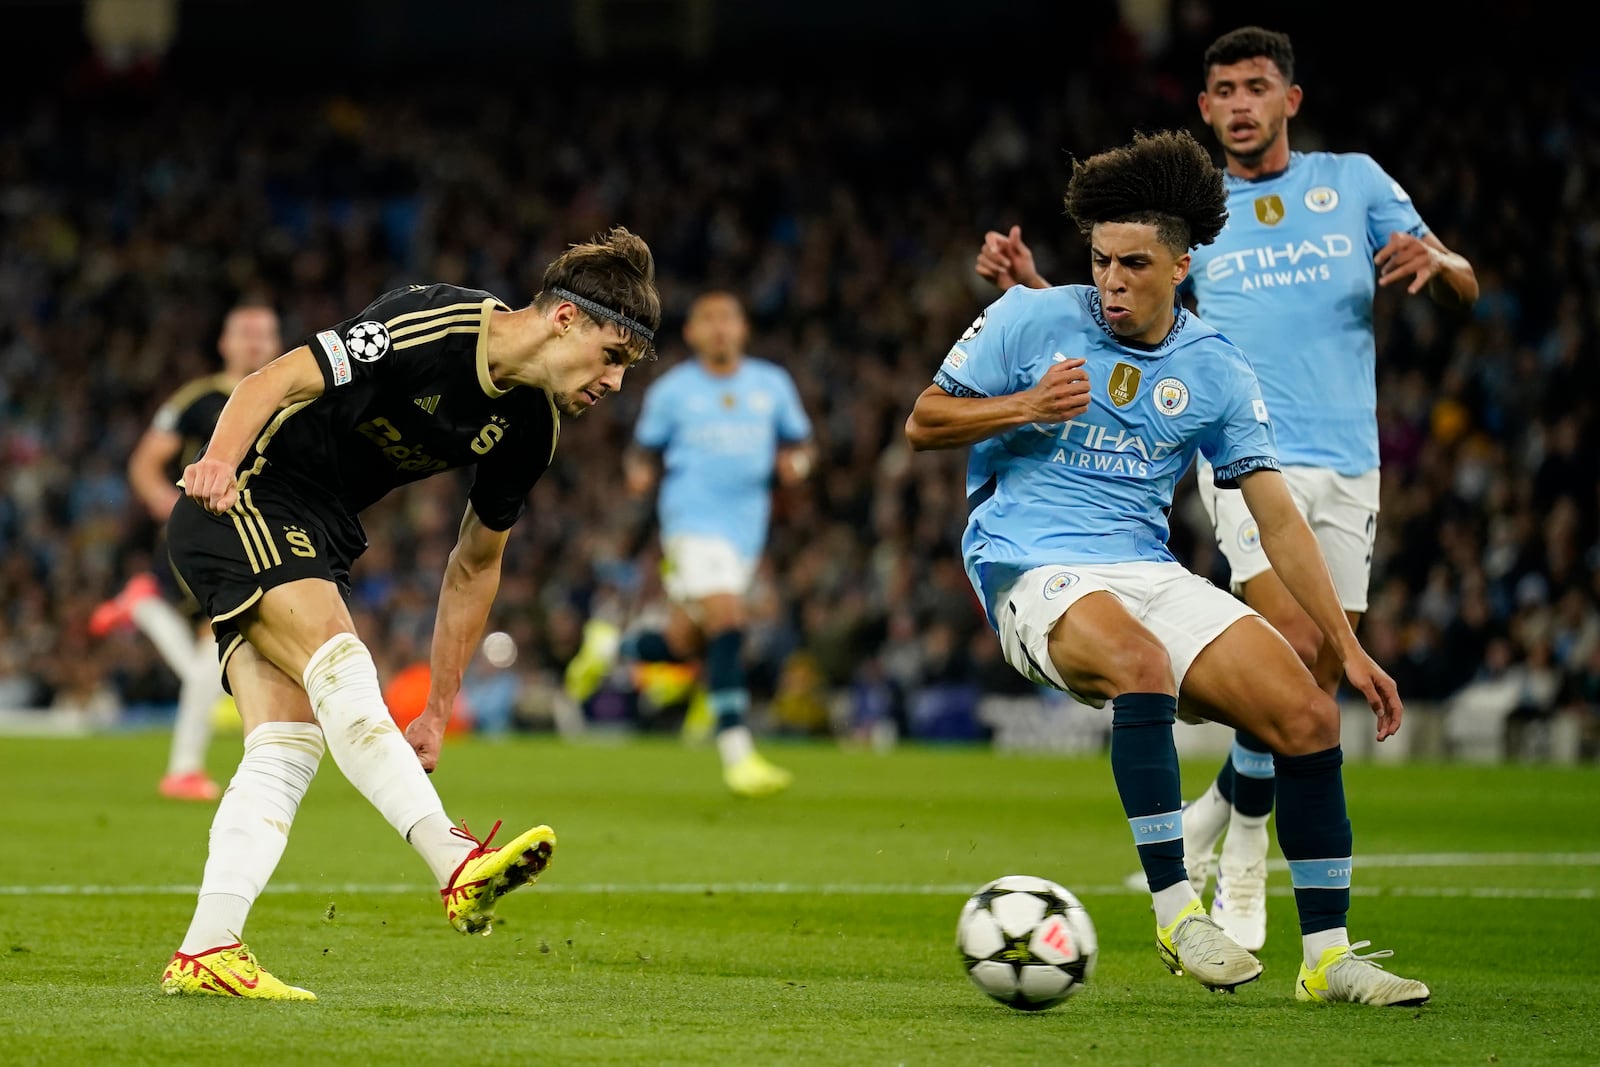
(765, 889)
(1390, 861)
(1466, 859)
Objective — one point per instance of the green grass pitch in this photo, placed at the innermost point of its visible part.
(680, 926)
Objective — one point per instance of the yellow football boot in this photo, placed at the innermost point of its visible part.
(587, 670)
(699, 722)
(753, 776)
(487, 874)
(226, 971)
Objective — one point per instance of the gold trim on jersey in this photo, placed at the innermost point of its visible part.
(412, 342)
(427, 328)
(193, 390)
(485, 382)
(264, 438)
(428, 313)
(249, 602)
(555, 427)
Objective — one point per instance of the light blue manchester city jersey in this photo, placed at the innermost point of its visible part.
(1096, 489)
(1290, 280)
(718, 437)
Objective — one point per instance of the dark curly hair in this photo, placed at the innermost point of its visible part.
(1247, 42)
(1165, 180)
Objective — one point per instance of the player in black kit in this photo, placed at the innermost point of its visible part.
(154, 601)
(426, 379)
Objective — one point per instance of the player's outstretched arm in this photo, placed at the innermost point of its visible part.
(471, 579)
(942, 420)
(1006, 260)
(292, 378)
(1292, 549)
(1428, 265)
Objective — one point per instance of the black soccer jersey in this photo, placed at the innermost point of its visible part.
(408, 394)
(191, 413)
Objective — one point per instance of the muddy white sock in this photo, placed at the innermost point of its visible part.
(342, 682)
(251, 827)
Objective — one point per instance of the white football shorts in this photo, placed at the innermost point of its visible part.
(1340, 509)
(695, 566)
(1184, 611)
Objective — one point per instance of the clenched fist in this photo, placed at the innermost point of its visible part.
(211, 484)
(1062, 394)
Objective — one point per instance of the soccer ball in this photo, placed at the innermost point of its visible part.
(1027, 942)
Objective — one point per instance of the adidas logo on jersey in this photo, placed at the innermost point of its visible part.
(427, 403)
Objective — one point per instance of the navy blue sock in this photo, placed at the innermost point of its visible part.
(648, 646)
(1225, 779)
(1253, 784)
(1144, 762)
(1314, 833)
(725, 685)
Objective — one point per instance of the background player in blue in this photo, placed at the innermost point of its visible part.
(1291, 281)
(1095, 400)
(427, 378)
(712, 432)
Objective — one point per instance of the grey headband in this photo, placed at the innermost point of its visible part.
(600, 311)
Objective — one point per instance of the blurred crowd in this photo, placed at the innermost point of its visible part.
(846, 214)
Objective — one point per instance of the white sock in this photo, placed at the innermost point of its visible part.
(735, 744)
(201, 688)
(442, 850)
(167, 629)
(1212, 795)
(1170, 902)
(1314, 945)
(342, 682)
(1246, 842)
(1207, 817)
(251, 827)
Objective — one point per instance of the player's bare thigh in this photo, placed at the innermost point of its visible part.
(1267, 594)
(263, 693)
(292, 621)
(1102, 651)
(1256, 681)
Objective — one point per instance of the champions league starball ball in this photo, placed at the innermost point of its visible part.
(1027, 942)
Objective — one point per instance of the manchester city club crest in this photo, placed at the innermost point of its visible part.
(1322, 199)
(1058, 583)
(1249, 536)
(1171, 396)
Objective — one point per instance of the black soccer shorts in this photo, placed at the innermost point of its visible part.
(229, 561)
(173, 591)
